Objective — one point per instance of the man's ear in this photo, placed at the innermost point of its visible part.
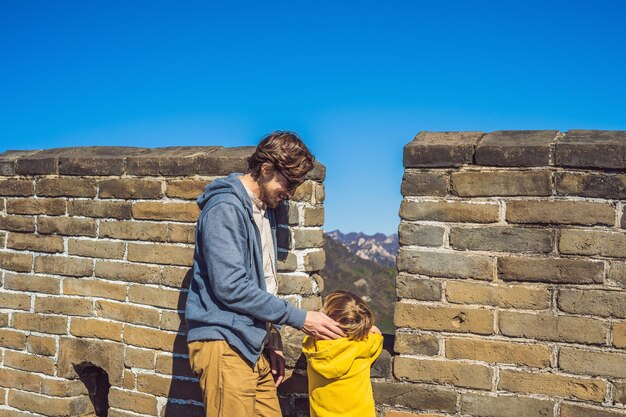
(267, 169)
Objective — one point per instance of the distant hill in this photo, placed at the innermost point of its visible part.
(378, 248)
(366, 278)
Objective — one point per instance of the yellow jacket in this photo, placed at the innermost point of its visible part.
(339, 375)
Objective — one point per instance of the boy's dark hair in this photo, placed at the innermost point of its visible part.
(286, 152)
(352, 313)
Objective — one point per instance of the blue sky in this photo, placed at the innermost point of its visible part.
(356, 79)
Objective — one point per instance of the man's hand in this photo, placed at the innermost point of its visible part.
(277, 364)
(320, 326)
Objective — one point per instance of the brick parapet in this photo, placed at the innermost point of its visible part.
(512, 277)
(96, 246)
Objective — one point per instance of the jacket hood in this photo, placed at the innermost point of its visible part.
(333, 358)
(230, 184)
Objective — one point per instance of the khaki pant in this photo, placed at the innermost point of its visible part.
(231, 387)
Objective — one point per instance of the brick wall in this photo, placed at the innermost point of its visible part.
(95, 251)
(512, 276)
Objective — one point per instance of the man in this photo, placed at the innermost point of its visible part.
(231, 307)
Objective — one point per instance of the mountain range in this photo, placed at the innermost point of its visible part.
(364, 265)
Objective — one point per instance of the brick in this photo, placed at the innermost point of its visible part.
(552, 385)
(168, 365)
(49, 206)
(320, 193)
(579, 410)
(502, 239)
(443, 372)
(17, 223)
(516, 148)
(40, 323)
(420, 234)
(100, 209)
(439, 318)
(173, 320)
(591, 149)
(619, 392)
(591, 362)
(304, 192)
(16, 188)
(96, 248)
(149, 338)
(167, 387)
(124, 271)
(555, 270)
(27, 362)
(441, 149)
(64, 265)
(619, 335)
(129, 189)
(450, 265)
(65, 187)
(178, 161)
(503, 296)
(410, 286)
(417, 397)
(308, 238)
(176, 277)
(96, 160)
(184, 409)
(313, 303)
(12, 339)
(560, 212)
(287, 261)
(591, 184)
(556, 328)
(132, 401)
(427, 183)
(402, 414)
(63, 305)
(313, 261)
(181, 233)
(593, 302)
(49, 406)
(501, 183)
(127, 313)
(450, 211)
(41, 345)
(184, 212)
(67, 226)
(287, 214)
(617, 273)
(94, 288)
(505, 406)
(34, 283)
(294, 284)
(104, 354)
(96, 328)
(14, 378)
(158, 297)
(416, 344)
(133, 230)
(187, 189)
(8, 161)
(38, 243)
(63, 388)
(14, 301)
(313, 216)
(496, 351)
(4, 319)
(15, 261)
(160, 254)
(592, 243)
(139, 358)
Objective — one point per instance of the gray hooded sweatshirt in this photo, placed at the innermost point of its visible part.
(227, 298)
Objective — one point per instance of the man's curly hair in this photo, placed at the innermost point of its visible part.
(286, 152)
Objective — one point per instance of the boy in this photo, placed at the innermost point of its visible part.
(339, 370)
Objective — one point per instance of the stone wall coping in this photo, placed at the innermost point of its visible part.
(121, 160)
(596, 149)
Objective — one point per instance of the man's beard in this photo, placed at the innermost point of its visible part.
(270, 200)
